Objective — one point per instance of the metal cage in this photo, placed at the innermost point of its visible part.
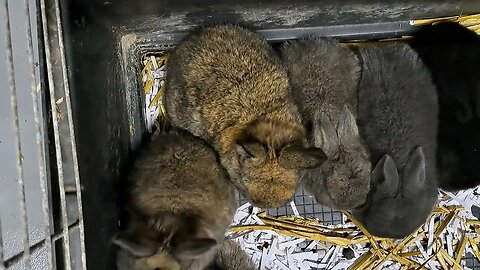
(70, 114)
(40, 203)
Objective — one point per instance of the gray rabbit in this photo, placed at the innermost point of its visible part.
(230, 256)
(226, 85)
(397, 117)
(182, 202)
(324, 78)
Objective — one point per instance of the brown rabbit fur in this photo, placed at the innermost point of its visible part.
(324, 77)
(226, 85)
(182, 202)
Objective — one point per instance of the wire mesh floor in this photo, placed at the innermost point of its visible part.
(306, 206)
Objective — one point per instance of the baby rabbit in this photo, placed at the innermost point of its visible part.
(397, 117)
(226, 85)
(182, 202)
(452, 53)
(324, 78)
(231, 257)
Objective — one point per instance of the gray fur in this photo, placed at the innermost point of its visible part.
(397, 117)
(230, 256)
(324, 78)
(182, 202)
(226, 85)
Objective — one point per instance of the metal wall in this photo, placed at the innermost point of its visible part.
(41, 223)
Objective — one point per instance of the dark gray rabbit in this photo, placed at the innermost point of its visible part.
(226, 85)
(182, 203)
(324, 78)
(230, 256)
(397, 117)
(452, 53)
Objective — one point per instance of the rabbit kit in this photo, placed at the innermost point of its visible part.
(359, 127)
(181, 201)
(227, 86)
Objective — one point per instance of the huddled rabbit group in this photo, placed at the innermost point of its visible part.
(357, 127)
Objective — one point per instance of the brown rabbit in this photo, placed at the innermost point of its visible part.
(182, 202)
(324, 77)
(230, 256)
(226, 85)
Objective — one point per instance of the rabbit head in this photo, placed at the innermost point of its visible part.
(268, 165)
(346, 173)
(397, 204)
(169, 243)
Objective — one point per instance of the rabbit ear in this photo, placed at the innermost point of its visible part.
(250, 150)
(298, 157)
(385, 176)
(325, 134)
(195, 247)
(347, 129)
(414, 171)
(135, 244)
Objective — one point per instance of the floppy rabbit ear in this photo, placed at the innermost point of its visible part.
(250, 150)
(347, 129)
(195, 247)
(415, 174)
(298, 157)
(135, 244)
(325, 134)
(385, 177)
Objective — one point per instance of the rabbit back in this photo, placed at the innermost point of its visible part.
(398, 107)
(182, 203)
(324, 78)
(397, 116)
(223, 69)
(323, 75)
(226, 85)
(180, 173)
(452, 53)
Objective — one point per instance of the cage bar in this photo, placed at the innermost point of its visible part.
(58, 150)
(41, 153)
(18, 257)
(63, 129)
(16, 131)
(71, 130)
